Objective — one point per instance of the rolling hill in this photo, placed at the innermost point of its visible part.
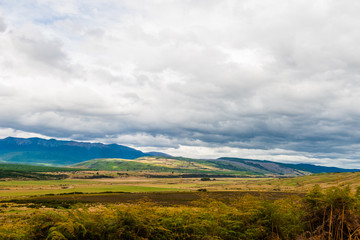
(221, 166)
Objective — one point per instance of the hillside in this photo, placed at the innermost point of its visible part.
(59, 153)
(224, 166)
(324, 180)
(161, 164)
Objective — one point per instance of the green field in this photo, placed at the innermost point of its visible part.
(30, 188)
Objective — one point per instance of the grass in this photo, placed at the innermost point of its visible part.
(85, 189)
(42, 182)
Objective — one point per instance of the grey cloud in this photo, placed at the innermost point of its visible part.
(46, 52)
(2, 25)
(245, 75)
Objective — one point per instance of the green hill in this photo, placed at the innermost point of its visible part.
(224, 166)
(188, 165)
(162, 164)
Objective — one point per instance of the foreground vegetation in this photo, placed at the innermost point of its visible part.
(330, 214)
(82, 207)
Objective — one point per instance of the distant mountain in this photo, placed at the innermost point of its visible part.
(55, 152)
(321, 169)
(265, 166)
(98, 156)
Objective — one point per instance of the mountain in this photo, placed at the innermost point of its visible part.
(213, 167)
(60, 153)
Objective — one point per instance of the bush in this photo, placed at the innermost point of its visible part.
(205, 179)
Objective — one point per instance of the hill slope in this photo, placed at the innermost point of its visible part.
(224, 166)
(55, 152)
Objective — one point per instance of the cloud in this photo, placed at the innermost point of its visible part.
(219, 76)
(2, 25)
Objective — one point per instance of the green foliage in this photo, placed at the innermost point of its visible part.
(35, 168)
(332, 214)
(205, 179)
(24, 171)
(30, 175)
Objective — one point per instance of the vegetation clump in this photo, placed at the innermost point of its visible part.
(205, 179)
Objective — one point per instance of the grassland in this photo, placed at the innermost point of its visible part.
(139, 183)
(10, 189)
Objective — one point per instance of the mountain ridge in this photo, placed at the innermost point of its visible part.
(99, 156)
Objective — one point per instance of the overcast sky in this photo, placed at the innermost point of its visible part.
(276, 80)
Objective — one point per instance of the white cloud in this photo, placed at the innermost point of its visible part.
(6, 132)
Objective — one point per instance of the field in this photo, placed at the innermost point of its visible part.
(105, 181)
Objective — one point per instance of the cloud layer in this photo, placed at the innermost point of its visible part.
(275, 80)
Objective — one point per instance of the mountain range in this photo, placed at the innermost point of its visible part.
(98, 156)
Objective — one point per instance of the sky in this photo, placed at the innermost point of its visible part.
(276, 80)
